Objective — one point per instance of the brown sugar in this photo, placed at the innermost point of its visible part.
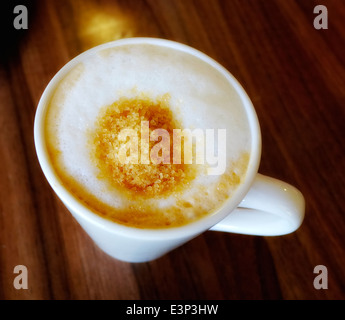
(148, 178)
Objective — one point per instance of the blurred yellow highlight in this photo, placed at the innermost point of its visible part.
(98, 27)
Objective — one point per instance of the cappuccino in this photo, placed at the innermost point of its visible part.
(111, 127)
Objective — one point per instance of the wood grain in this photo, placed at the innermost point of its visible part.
(295, 76)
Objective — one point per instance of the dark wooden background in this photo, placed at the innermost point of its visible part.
(295, 76)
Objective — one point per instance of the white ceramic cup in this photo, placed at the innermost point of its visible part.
(260, 206)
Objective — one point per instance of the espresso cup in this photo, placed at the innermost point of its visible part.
(258, 205)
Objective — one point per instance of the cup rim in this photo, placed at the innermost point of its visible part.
(190, 229)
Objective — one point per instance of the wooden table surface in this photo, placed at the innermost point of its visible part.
(295, 76)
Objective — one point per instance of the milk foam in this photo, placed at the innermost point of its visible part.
(200, 96)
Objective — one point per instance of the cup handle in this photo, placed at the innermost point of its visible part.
(270, 208)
